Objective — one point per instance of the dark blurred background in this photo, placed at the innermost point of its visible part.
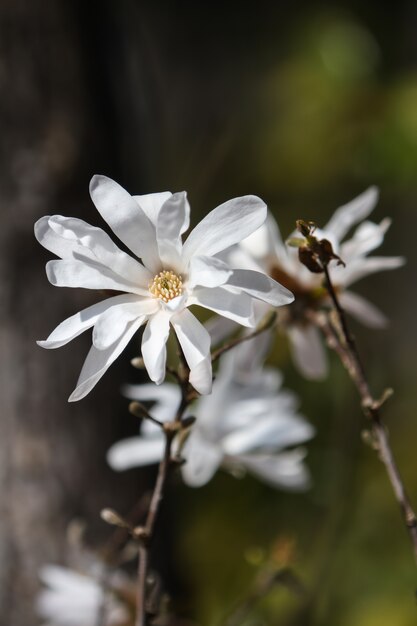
(305, 104)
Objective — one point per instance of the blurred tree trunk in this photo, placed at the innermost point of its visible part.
(52, 465)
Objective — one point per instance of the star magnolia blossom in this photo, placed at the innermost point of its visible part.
(246, 423)
(157, 292)
(73, 599)
(265, 251)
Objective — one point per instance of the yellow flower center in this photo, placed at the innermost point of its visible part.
(166, 285)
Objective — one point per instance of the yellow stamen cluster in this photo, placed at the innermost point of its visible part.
(166, 285)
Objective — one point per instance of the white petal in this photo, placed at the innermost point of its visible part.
(285, 470)
(308, 352)
(127, 220)
(266, 242)
(220, 329)
(154, 350)
(234, 306)
(207, 271)
(71, 273)
(76, 324)
(261, 287)
(99, 361)
(362, 267)
(202, 460)
(151, 204)
(58, 577)
(174, 213)
(364, 311)
(94, 244)
(272, 431)
(136, 452)
(195, 343)
(350, 214)
(111, 325)
(166, 398)
(366, 238)
(226, 225)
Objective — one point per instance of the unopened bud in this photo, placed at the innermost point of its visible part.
(188, 421)
(138, 362)
(111, 517)
(138, 410)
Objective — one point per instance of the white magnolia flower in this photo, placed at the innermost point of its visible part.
(246, 423)
(73, 599)
(265, 251)
(157, 292)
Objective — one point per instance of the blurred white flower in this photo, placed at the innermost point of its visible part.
(245, 424)
(73, 599)
(265, 251)
(158, 291)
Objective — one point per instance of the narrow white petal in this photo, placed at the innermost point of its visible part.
(78, 323)
(195, 343)
(99, 361)
(261, 287)
(154, 340)
(226, 225)
(126, 218)
(202, 460)
(363, 267)
(350, 214)
(166, 397)
(136, 452)
(112, 323)
(174, 213)
(285, 470)
(364, 311)
(366, 238)
(71, 273)
(220, 329)
(266, 241)
(271, 431)
(208, 271)
(151, 204)
(308, 352)
(234, 306)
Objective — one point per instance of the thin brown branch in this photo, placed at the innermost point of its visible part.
(348, 352)
(147, 531)
(267, 323)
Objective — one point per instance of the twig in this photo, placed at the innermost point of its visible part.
(265, 324)
(371, 407)
(146, 533)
